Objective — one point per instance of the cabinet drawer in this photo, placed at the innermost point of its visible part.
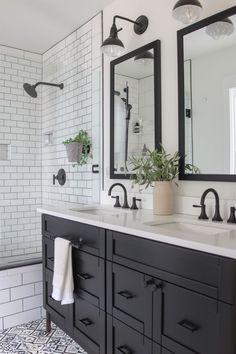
(62, 314)
(48, 253)
(190, 319)
(92, 238)
(89, 326)
(187, 263)
(121, 339)
(128, 298)
(89, 277)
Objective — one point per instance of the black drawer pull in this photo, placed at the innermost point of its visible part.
(86, 322)
(190, 326)
(127, 295)
(125, 350)
(51, 259)
(84, 276)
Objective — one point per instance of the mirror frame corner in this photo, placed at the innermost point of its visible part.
(156, 46)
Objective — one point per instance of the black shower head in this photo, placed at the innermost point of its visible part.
(31, 89)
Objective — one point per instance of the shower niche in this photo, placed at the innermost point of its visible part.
(135, 107)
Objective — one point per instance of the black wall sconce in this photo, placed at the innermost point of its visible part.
(113, 46)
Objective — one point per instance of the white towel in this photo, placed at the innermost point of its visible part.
(63, 282)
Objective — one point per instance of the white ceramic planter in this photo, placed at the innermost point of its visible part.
(163, 198)
(74, 151)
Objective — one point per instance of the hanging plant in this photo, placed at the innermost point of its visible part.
(78, 148)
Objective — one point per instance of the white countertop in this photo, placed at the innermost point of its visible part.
(222, 243)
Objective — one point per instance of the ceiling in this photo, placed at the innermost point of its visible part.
(36, 25)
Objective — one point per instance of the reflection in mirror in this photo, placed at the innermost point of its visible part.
(209, 110)
(133, 110)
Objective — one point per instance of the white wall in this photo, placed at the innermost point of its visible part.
(162, 26)
(76, 62)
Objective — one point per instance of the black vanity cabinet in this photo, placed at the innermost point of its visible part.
(138, 296)
(85, 320)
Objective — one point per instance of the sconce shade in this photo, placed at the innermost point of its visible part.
(113, 46)
(144, 58)
(220, 29)
(187, 11)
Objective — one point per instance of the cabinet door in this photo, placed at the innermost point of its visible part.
(89, 278)
(89, 326)
(190, 321)
(61, 314)
(129, 297)
(122, 339)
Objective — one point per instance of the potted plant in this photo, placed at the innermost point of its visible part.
(158, 169)
(78, 148)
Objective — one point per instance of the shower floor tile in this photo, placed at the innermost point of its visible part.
(32, 338)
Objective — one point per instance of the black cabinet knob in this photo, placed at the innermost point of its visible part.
(190, 326)
(86, 322)
(126, 294)
(148, 282)
(84, 276)
(124, 349)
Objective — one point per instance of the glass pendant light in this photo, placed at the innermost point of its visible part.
(144, 58)
(220, 29)
(187, 11)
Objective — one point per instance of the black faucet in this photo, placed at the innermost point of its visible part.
(203, 215)
(125, 205)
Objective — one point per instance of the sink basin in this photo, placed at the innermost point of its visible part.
(188, 228)
(98, 212)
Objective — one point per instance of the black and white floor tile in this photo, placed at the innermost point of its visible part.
(32, 338)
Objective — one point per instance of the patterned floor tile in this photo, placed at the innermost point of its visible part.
(32, 338)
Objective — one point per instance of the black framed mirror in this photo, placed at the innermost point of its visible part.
(135, 97)
(207, 97)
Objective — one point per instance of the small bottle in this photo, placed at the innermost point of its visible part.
(136, 128)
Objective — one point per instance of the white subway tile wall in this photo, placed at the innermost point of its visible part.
(77, 62)
(20, 156)
(21, 298)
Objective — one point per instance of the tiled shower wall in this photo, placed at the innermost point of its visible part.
(20, 156)
(75, 61)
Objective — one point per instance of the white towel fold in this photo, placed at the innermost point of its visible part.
(63, 282)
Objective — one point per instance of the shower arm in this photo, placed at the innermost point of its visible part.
(49, 84)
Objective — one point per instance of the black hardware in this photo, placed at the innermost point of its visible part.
(84, 276)
(188, 113)
(216, 216)
(86, 322)
(203, 215)
(126, 294)
(125, 350)
(74, 242)
(31, 89)
(51, 259)
(156, 48)
(117, 203)
(232, 218)
(134, 204)
(146, 283)
(95, 168)
(125, 205)
(60, 177)
(157, 286)
(189, 325)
